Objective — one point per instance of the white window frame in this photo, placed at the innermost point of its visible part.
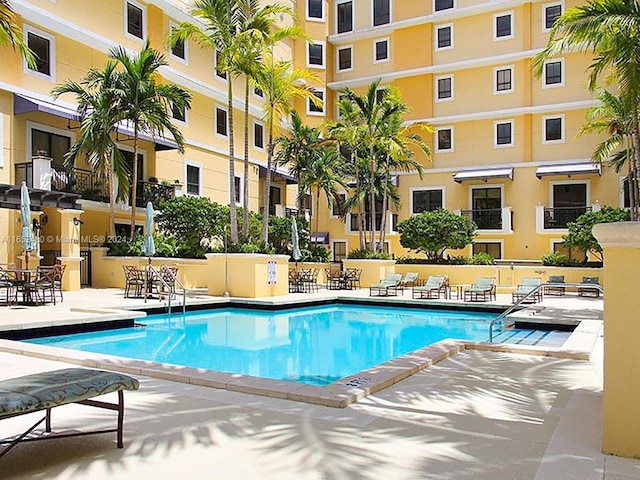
(129, 148)
(425, 189)
(436, 94)
(484, 186)
(30, 126)
(255, 122)
(190, 163)
(544, 129)
(52, 53)
(495, 26)
(178, 121)
(445, 150)
(559, 60)
(495, 79)
(382, 25)
(184, 60)
(495, 133)
(450, 27)
(493, 240)
(338, 49)
(553, 183)
(324, 54)
(215, 70)
(433, 7)
(145, 26)
(240, 202)
(314, 19)
(375, 43)
(346, 197)
(215, 121)
(544, 13)
(353, 16)
(324, 104)
(253, 92)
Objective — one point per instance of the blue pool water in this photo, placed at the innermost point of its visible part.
(313, 345)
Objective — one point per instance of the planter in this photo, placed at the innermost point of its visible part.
(249, 275)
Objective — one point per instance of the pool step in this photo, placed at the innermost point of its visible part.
(520, 336)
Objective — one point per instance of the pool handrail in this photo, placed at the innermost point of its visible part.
(503, 315)
(164, 283)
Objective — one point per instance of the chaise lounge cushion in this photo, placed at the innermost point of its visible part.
(49, 389)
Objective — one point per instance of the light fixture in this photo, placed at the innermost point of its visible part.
(77, 221)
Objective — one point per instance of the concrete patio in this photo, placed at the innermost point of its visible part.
(476, 415)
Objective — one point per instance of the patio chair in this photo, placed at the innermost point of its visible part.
(525, 288)
(36, 291)
(586, 291)
(482, 290)
(387, 287)
(168, 275)
(134, 278)
(335, 279)
(352, 278)
(8, 285)
(433, 287)
(58, 274)
(409, 280)
(308, 278)
(555, 289)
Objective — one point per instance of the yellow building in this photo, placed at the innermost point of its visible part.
(70, 37)
(505, 150)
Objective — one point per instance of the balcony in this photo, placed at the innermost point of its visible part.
(391, 225)
(557, 218)
(490, 220)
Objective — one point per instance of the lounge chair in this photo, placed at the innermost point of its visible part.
(433, 288)
(586, 291)
(525, 288)
(555, 289)
(409, 280)
(387, 287)
(484, 289)
(43, 391)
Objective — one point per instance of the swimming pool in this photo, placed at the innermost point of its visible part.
(313, 345)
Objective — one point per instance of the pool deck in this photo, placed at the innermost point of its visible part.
(515, 413)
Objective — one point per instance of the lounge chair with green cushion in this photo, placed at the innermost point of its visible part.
(525, 288)
(410, 279)
(387, 287)
(433, 287)
(555, 289)
(482, 290)
(586, 291)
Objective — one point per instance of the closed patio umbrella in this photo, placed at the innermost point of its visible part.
(295, 240)
(28, 240)
(149, 247)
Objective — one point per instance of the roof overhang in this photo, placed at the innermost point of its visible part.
(486, 174)
(569, 169)
(24, 104)
(10, 198)
(319, 238)
(160, 142)
(278, 173)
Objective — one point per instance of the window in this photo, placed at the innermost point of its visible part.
(381, 51)
(570, 200)
(345, 58)
(258, 93)
(179, 113)
(486, 207)
(258, 135)
(193, 179)
(315, 55)
(380, 93)
(179, 50)
(219, 73)
(444, 139)
(42, 46)
(503, 26)
(440, 5)
(345, 17)
(573, 253)
(237, 190)
(444, 37)
(315, 10)
(444, 88)
(381, 12)
(503, 80)
(135, 20)
(52, 144)
(553, 129)
(625, 193)
(550, 13)
(553, 73)
(221, 121)
(312, 108)
(339, 251)
(490, 248)
(338, 204)
(426, 200)
(504, 134)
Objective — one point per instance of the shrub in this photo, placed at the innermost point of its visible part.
(364, 254)
(482, 259)
(580, 235)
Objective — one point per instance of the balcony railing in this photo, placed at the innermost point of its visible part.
(559, 217)
(153, 192)
(485, 219)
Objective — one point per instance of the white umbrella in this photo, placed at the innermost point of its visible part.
(28, 240)
(149, 247)
(295, 239)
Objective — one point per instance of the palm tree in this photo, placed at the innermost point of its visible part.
(146, 104)
(99, 111)
(614, 117)
(11, 33)
(281, 83)
(610, 29)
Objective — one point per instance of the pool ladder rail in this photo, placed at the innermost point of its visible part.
(503, 323)
(171, 291)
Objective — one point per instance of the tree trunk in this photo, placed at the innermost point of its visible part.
(134, 182)
(385, 196)
(112, 200)
(233, 215)
(631, 180)
(636, 155)
(372, 201)
(267, 186)
(315, 242)
(245, 175)
(361, 237)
